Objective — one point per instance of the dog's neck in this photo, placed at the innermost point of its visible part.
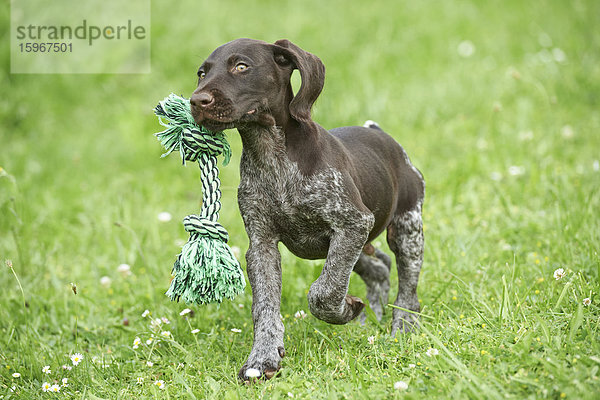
(274, 145)
(264, 147)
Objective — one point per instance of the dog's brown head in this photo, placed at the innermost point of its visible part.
(247, 81)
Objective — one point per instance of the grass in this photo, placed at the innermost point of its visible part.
(507, 139)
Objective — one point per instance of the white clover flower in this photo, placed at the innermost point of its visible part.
(567, 131)
(371, 339)
(586, 302)
(164, 216)
(145, 313)
(559, 55)
(46, 386)
(46, 370)
(516, 170)
(466, 49)
(400, 385)
(559, 274)
(160, 384)
(194, 331)
(55, 388)
(76, 358)
(140, 380)
(235, 330)
(185, 311)
(124, 270)
(300, 314)
(65, 382)
(16, 375)
(432, 352)
(252, 373)
(105, 281)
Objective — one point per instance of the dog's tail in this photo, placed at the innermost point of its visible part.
(372, 125)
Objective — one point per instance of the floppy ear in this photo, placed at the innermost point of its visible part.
(312, 73)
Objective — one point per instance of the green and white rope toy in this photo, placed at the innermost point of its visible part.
(206, 271)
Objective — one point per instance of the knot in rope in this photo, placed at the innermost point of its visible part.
(205, 227)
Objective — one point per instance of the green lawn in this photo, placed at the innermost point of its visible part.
(497, 103)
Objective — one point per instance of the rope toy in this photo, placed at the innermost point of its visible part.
(206, 271)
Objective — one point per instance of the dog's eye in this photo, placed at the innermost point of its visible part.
(240, 67)
(201, 74)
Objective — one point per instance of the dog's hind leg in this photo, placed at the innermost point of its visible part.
(373, 267)
(405, 238)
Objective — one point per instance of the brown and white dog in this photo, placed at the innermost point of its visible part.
(324, 194)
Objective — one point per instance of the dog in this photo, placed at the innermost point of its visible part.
(323, 194)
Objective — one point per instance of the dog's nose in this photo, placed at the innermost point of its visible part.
(202, 99)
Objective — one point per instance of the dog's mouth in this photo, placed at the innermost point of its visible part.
(214, 120)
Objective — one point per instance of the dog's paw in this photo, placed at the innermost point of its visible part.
(404, 322)
(265, 367)
(355, 304)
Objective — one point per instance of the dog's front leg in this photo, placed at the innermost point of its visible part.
(327, 298)
(263, 264)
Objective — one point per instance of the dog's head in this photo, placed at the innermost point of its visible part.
(247, 81)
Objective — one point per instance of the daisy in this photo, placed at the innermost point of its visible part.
(432, 352)
(149, 341)
(412, 366)
(140, 380)
(165, 334)
(155, 323)
(586, 302)
(55, 388)
(46, 370)
(371, 339)
(145, 313)
(76, 358)
(16, 375)
(45, 386)
(300, 314)
(195, 331)
(185, 311)
(400, 385)
(65, 382)
(559, 274)
(136, 342)
(235, 330)
(164, 216)
(160, 384)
